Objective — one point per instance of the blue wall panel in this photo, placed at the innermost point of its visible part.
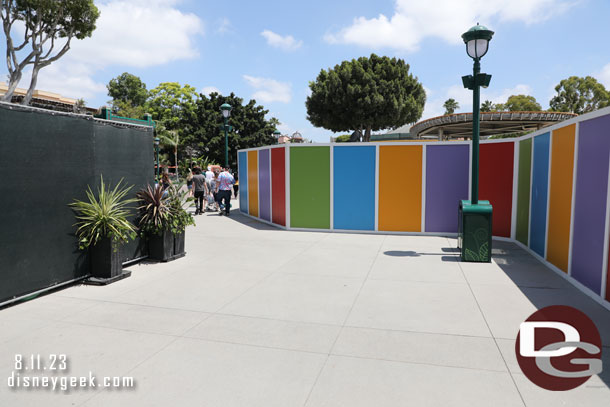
(354, 187)
(540, 189)
(242, 165)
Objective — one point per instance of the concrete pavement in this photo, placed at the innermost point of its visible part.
(256, 316)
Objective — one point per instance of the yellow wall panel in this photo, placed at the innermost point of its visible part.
(400, 188)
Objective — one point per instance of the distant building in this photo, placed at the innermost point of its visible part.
(45, 100)
(295, 138)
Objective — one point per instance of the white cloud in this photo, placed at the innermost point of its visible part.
(287, 43)
(414, 20)
(269, 90)
(604, 76)
(129, 33)
(210, 89)
(434, 107)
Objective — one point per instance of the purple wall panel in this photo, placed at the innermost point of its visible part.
(447, 175)
(264, 185)
(590, 204)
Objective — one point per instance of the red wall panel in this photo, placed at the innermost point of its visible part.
(496, 183)
(278, 186)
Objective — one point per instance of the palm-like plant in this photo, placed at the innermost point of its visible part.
(169, 139)
(104, 216)
(154, 210)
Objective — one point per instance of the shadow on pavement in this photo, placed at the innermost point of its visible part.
(543, 287)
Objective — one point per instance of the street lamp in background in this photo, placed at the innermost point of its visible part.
(475, 217)
(157, 153)
(226, 112)
(277, 135)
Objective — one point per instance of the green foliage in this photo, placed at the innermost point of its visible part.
(179, 217)
(344, 138)
(201, 132)
(579, 95)
(62, 19)
(522, 103)
(104, 216)
(366, 93)
(127, 92)
(169, 102)
(487, 106)
(451, 105)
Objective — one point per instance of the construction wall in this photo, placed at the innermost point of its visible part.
(549, 190)
(47, 160)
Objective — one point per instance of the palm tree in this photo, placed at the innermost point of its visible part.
(169, 139)
(450, 106)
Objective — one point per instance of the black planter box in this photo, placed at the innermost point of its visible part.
(161, 247)
(106, 266)
(179, 245)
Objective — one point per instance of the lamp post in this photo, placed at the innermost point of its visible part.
(477, 42)
(277, 135)
(475, 217)
(157, 153)
(226, 112)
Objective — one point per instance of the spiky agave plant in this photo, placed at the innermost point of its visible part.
(154, 210)
(104, 216)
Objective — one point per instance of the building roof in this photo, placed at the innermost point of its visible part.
(459, 125)
(39, 94)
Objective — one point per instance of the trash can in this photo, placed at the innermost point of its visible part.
(474, 231)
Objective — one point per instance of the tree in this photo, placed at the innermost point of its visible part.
(579, 95)
(450, 106)
(46, 24)
(522, 103)
(169, 101)
(127, 90)
(365, 94)
(487, 106)
(168, 139)
(201, 133)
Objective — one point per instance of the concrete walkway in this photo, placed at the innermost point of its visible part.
(255, 316)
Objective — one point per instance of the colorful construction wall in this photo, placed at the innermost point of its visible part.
(549, 190)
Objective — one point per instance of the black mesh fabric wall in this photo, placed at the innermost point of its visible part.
(47, 159)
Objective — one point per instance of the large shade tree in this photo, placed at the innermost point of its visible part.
(579, 95)
(45, 29)
(521, 103)
(365, 94)
(201, 130)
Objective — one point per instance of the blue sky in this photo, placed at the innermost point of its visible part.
(270, 50)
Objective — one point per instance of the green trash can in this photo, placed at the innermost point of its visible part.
(474, 231)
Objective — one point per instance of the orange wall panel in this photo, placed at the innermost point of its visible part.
(560, 199)
(400, 188)
(253, 183)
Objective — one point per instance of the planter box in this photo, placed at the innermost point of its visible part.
(106, 266)
(179, 245)
(161, 247)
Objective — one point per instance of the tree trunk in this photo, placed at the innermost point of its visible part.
(367, 134)
(176, 161)
(12, 85)
(28, 96)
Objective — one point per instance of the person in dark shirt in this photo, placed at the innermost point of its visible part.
(200, 190)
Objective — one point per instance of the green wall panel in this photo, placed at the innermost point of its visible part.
(310, 187)
(523, 190)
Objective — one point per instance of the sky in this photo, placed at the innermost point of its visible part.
(270, 50)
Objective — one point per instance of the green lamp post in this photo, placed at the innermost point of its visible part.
(475, 217)
(277, 135)
(226, 112)
(157, 140)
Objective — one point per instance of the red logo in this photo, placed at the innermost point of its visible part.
(559, 348)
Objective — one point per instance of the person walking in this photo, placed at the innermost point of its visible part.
(210, 189)
(224, 185)
(189, 182)
(236, 185)
(200, 190)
